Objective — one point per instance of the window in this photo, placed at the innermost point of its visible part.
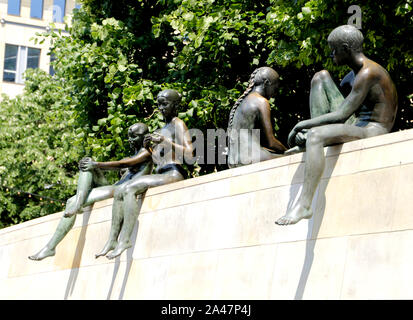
(13, 7)
(10, 63)
(36, 9)
(18, 59)
(59, 7)
(78, 5)
(33, 58)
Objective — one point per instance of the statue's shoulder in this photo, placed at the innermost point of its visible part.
(177, 122)
(256, 100)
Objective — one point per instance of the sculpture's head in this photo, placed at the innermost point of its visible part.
(344, 41)
(136, 134)
(269, 79)
(168, 102)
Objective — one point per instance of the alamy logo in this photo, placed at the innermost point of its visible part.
(355, 19)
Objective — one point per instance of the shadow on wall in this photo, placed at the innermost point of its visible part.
(314, 225)
(78, 256)
(129, 261)
(129, 258)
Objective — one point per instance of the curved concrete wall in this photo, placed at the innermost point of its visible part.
(214, 237)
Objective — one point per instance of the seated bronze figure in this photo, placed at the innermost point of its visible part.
(369, 110)
(251, 113)
(92, 185)
(168, 147)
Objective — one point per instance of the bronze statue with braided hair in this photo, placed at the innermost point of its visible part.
(251, 114)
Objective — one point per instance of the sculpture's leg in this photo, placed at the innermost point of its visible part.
(84, 185)
(117, 213)
(325, 97)
(64, 226)
(317, 138)
(66, 223)
(117, 219)
(131, 207)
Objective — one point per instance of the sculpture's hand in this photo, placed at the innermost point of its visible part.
(300, 138)
(157, 138)
(87, 164)
(147, 142)
(298, 128)
(153, 139)
(291, 137)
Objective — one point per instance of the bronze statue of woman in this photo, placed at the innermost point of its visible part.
(250, 132)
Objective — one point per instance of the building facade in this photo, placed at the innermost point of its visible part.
(20, 20)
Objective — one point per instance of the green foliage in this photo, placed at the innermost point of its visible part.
(119, 55)
(36, 150)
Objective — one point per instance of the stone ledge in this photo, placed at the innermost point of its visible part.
(214, 237)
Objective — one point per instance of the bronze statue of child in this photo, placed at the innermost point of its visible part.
(250, 134)
(92, 185)
(369, 110)
(168, 147)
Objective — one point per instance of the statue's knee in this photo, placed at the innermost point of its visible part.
(70, 201)
(137, 188)
(131, 191)
(313, 137)
(320, 77)
(118, 194)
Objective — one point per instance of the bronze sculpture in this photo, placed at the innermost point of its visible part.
(168, 146)
(372, 100)
(92, 185)
(252, 111)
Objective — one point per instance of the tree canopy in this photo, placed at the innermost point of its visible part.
(119, 55)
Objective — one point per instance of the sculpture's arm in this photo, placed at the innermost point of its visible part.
(265, 118)
(182, 143)
(142, 156)
(185, 139)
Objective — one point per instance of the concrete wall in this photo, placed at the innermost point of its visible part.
(214, 237)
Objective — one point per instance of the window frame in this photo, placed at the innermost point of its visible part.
(17, 64)
(21, 63)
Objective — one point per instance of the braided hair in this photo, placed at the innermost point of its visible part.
(251, 84)
(257, 77)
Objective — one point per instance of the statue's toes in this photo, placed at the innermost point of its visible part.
(282, 221)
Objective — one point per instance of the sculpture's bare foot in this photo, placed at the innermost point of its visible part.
(297, 213)
(44, 253)
(294, 150)
(118, 251)
(71, 212)
(110, 245)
